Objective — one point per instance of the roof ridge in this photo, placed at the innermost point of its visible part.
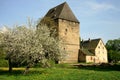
(93, 39)
(62, 8)
(59, 5)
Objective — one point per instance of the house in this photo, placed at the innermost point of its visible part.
(67, 26)
(93, 51)
(68, 29)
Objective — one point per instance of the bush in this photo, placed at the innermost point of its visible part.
(3, 63)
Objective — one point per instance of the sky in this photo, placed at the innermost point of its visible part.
(98, 18)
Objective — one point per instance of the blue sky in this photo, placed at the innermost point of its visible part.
(98, 18)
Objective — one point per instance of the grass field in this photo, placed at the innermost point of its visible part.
(62, 73)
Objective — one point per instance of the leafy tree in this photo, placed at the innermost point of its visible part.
(113, 47)
(28, 46)
(50, 23)
(3, 62)
(47, 21)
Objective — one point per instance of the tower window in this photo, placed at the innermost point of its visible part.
(66, 30)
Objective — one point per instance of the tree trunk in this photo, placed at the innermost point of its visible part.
(26, 70)
(10, 65)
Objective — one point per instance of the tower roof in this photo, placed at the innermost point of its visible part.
(62, 11)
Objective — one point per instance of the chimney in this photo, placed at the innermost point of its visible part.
(81, 45)
(82, 41)
(89, 40)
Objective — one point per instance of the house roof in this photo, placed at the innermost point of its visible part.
(87, 52)
(62, 11)
(90, 44)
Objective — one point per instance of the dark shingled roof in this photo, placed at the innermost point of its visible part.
(88, 47)
(87, 52)
(62, 11)
(90, 44)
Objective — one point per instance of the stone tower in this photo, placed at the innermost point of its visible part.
(68, 29)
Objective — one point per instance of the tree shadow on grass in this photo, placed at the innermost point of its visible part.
(20, 72)
(14, 72)
(100, 67)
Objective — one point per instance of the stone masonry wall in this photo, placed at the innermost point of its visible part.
(69, 32)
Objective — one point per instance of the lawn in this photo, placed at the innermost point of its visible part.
(62, 73)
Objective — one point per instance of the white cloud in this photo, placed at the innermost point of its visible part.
(92, 8)
(100, 6)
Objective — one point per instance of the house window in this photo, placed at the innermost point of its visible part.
(99, 47)
(91, 58)
(103, 47)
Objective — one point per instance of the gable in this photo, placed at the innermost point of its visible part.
(101, 45)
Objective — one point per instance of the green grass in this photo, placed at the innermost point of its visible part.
(64, 73)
